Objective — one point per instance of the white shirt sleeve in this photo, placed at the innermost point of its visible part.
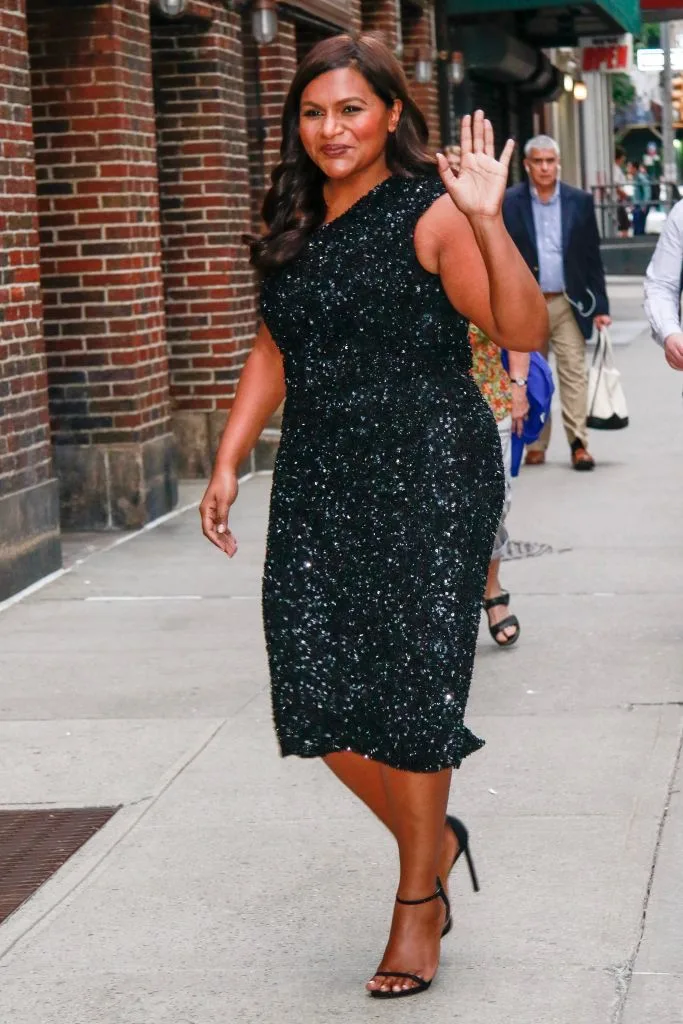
(663, 279)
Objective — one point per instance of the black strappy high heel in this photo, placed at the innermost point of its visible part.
(421, 984)
(463, 838)
(510, 622)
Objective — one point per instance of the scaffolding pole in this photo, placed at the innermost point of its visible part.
(668, 155)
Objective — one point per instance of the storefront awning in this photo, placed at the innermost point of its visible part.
(554, 22)
(661, 10)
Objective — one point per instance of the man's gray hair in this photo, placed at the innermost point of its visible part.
(541, 142)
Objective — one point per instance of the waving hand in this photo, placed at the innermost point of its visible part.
(479, 188)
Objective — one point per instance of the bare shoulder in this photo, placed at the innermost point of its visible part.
(442, 221)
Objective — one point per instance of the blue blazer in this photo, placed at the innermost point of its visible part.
(584, 275)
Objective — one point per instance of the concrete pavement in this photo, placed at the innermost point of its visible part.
(233, 886)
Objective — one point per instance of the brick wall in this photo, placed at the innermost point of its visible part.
(101, 262)
(418, 31)
(29, 544)
(205, 211)
(25, 457)
(380, 16)
(276, 64)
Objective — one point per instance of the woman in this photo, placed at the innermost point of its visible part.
(387, 490)
(506, 395)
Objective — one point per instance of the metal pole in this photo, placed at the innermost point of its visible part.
(668, 156)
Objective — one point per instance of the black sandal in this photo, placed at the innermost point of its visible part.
(511, 621)
(421, 984)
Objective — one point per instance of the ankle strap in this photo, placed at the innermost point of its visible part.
(426, 899)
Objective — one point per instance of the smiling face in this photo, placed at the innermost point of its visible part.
(543, 167)
(344, 125)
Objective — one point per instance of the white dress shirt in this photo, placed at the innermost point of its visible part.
(663, 279)
(548, 224)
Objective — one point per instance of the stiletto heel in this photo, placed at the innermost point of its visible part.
(421, 984)
(463, 838)
(473, 873)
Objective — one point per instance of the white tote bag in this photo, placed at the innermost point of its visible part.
(606, 400)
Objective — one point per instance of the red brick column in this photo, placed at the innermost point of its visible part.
(29, 501)
(381, 16)
(418, 32)
(205, 212)
(101, 260)
(277, 65)
(268, 71)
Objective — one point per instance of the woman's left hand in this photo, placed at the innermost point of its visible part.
(479, 188)
(520, 409)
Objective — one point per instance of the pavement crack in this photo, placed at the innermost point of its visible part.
(654, 704)
(623, 973)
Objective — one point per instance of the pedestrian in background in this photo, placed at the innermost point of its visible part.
(452, 154)
(663, 289)
(652, 166)
(388, 484)
(620, 193)
(641, 199)
(555, 230)
(506, 394)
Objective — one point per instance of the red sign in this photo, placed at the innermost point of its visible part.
(661, 5)
(607, 53)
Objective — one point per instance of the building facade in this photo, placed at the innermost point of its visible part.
(135, 150)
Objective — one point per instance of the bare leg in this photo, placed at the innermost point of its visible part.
(366, 779)
(417, 803)
(494, 589)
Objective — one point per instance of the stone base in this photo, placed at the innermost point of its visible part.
(116, 487)
(29, 537)
(198, 435)
(266, 449)
(628, 257)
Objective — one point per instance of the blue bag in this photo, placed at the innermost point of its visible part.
(540, 389)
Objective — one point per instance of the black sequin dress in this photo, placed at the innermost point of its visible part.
(387, 492)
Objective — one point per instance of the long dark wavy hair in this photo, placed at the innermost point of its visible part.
(295, 206)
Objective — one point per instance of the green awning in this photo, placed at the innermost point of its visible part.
(588, 18)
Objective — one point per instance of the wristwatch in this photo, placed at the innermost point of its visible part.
(519, 381)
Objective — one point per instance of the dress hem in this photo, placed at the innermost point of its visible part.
(399, 765)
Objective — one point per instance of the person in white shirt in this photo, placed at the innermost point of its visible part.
(621, 196)
(663, 281)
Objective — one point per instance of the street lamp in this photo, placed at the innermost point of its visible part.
(568, 83)
(456, 68)
(172, 8)
(424, 65)
(264, 21)
(580, 91)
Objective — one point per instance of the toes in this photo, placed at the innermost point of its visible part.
(391, 984)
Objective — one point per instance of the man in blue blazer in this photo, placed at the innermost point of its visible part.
(554, 228)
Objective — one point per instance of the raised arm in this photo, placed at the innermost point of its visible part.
(663, 289)
(463, 239)
(260, 391)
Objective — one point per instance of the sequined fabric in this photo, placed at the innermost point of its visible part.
(387, 491)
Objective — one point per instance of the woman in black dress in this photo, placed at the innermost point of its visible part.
(388, 484)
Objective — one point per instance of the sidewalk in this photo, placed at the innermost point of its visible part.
(233, 886)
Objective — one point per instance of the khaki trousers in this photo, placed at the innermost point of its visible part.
(569, 346)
